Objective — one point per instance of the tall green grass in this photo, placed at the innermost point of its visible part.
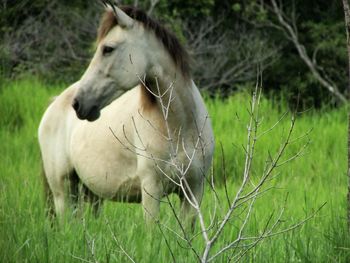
(318, 176)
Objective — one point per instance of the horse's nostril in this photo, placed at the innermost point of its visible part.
(76, 105)
(94, 108)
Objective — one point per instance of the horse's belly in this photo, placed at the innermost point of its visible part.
(104, 166)
(115, 182)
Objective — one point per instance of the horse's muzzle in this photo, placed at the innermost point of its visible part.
(91, 114)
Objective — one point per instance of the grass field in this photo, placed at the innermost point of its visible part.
(316, 177)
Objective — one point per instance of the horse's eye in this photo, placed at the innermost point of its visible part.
(106, 50)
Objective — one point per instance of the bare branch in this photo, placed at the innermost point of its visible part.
(291, 32)
(152, 6)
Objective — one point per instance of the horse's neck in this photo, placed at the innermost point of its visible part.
(175, 99)
(178, 99)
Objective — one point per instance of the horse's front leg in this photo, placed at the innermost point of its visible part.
(152, 192)
(56, 184)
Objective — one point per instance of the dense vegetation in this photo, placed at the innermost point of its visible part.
(54, 40)
(314, 178)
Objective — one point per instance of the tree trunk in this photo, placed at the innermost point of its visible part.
(347, 26)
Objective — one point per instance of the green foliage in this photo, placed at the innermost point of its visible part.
(191, 8)
(316, 177)
(255, 12)
(326, 40)
(236, 7)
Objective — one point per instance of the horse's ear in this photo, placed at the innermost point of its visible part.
(123, 19)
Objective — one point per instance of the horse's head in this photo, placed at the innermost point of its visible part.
(121, 59)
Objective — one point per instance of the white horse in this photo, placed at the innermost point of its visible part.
(147, 132)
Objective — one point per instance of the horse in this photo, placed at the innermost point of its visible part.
(134, 128)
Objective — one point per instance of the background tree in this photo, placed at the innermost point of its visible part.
(347, 27)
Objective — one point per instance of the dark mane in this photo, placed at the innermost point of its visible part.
(169, 40)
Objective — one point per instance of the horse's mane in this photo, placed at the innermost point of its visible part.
(169, 40)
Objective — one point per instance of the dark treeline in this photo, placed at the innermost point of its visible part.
(228, 39)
